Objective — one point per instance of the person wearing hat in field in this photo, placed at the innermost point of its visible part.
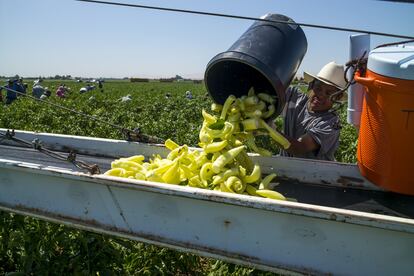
(61, 91)
(11, 95)
(37, 90)
(1, 94)
(310, 125)
(21, 86)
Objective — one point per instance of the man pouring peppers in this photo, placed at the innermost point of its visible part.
(310, 125)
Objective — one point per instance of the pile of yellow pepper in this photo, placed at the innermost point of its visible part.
(222, 164)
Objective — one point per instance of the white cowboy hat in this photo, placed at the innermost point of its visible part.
(332, 74)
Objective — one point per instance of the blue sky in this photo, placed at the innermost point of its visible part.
(65, 37)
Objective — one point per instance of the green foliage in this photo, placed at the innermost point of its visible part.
(175, 117)
(35, 247)
(348, 140)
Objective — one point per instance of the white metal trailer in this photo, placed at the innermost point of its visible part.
(342, 224)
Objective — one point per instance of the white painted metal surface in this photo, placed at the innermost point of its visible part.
(284, 237)
(268, 234)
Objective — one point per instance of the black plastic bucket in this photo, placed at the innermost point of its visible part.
(266, 57)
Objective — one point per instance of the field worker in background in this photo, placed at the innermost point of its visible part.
(126, 98)
(37, 90)
(66, 88)
(11, 96)
(90, 87)
(188, 95)
(1, 95)
(60, 92)
(46, 94)
(310, 125)
(19, 86)
(100, 85)
(22, 86)
(86, 88)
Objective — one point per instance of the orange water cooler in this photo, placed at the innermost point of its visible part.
(386, 136)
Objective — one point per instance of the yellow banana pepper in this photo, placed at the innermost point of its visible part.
(270, 194)
(187, 172)
(279, 138)
(251, 100)
(195, 181)
(116, 172)
(210, 119)
(255, 175)
(127, 165)
(229, 101)
(224, 175)
(251, 92)
(250, 124)
(164, 166)
(136, 158)
(225, 189)
(177, 152)
(215, 146)
(219, 133)
(206, 173)
(235, 184)
(170, 144)
(151, 176)
(140, 176)
(261, 106)
(254, 114)
(267, 98)
(251, 190)
(264, 184)
(226, 158)
(172, 175)
(216, 107)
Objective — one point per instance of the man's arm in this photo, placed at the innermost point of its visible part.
(302, 145)
(321, 138)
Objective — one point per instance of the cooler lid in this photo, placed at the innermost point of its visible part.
(393, 61)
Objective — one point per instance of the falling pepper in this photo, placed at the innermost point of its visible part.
(226, 158)
(216, 146)
(210, 119)
(226, 106)
(279, 138)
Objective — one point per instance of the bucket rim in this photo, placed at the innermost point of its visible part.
(247, 60)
